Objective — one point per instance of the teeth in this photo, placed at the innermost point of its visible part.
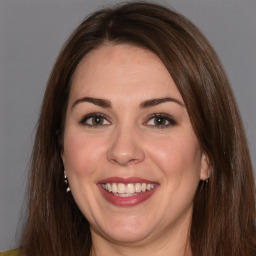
(120, 188)
(130, 189)
(126, 190)
(123, 195)
(150, 186)
(137, 187)
(109, 187)
(114, 188)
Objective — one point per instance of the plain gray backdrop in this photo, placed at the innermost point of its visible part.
(31, 35)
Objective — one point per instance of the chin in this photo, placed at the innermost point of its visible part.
(128, 236)
(126, 232)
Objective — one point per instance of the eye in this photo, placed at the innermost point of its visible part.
(160, 121)
(95, 120)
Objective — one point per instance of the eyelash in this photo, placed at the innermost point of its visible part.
(164, 117)
(91, 116)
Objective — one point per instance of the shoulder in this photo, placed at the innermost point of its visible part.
(10, 253)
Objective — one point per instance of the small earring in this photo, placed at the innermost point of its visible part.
(66, 181)
(207, 179)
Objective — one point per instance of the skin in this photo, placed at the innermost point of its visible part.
(129, 143)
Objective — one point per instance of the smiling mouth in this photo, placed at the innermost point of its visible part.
(127, 190)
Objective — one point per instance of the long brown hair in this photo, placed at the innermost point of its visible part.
(223, 221)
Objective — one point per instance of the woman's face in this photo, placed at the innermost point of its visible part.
(132, 159)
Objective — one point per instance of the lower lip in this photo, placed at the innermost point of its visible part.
(126, 201)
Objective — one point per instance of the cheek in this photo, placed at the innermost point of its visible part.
(82, 153)
(178, 156)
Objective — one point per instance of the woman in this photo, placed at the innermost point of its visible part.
(140, 149)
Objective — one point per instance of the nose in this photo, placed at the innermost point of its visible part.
(126, 147)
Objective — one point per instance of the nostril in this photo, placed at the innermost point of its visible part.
(125, 157)
(125, 147)
(125, 161)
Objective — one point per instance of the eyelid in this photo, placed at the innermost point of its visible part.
(167, 117)
(91, 115)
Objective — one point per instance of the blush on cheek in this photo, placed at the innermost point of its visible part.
(182, 154)
(81, 155)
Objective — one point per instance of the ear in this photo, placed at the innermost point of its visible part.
(62, 154)
(60, 145)
(205, 167)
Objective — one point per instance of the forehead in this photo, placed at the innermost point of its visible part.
(122, 70)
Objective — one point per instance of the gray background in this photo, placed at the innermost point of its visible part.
(31, 35)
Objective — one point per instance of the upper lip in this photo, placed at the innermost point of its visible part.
(126, 180)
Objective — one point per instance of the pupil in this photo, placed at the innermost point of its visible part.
(159, 121)
(97, 120)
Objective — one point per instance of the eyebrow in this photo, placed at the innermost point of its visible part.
(145, 104)
(99, 102)
(154, 102)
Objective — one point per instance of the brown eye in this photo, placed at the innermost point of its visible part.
(160, 121)
(95, 120)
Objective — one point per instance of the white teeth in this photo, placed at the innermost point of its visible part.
(137, 187)
(114, 188)
(120, 188)
(143, 187)
(130, 189)
(123, 195)
(109, 187)
(126, 190)
(148, 187)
